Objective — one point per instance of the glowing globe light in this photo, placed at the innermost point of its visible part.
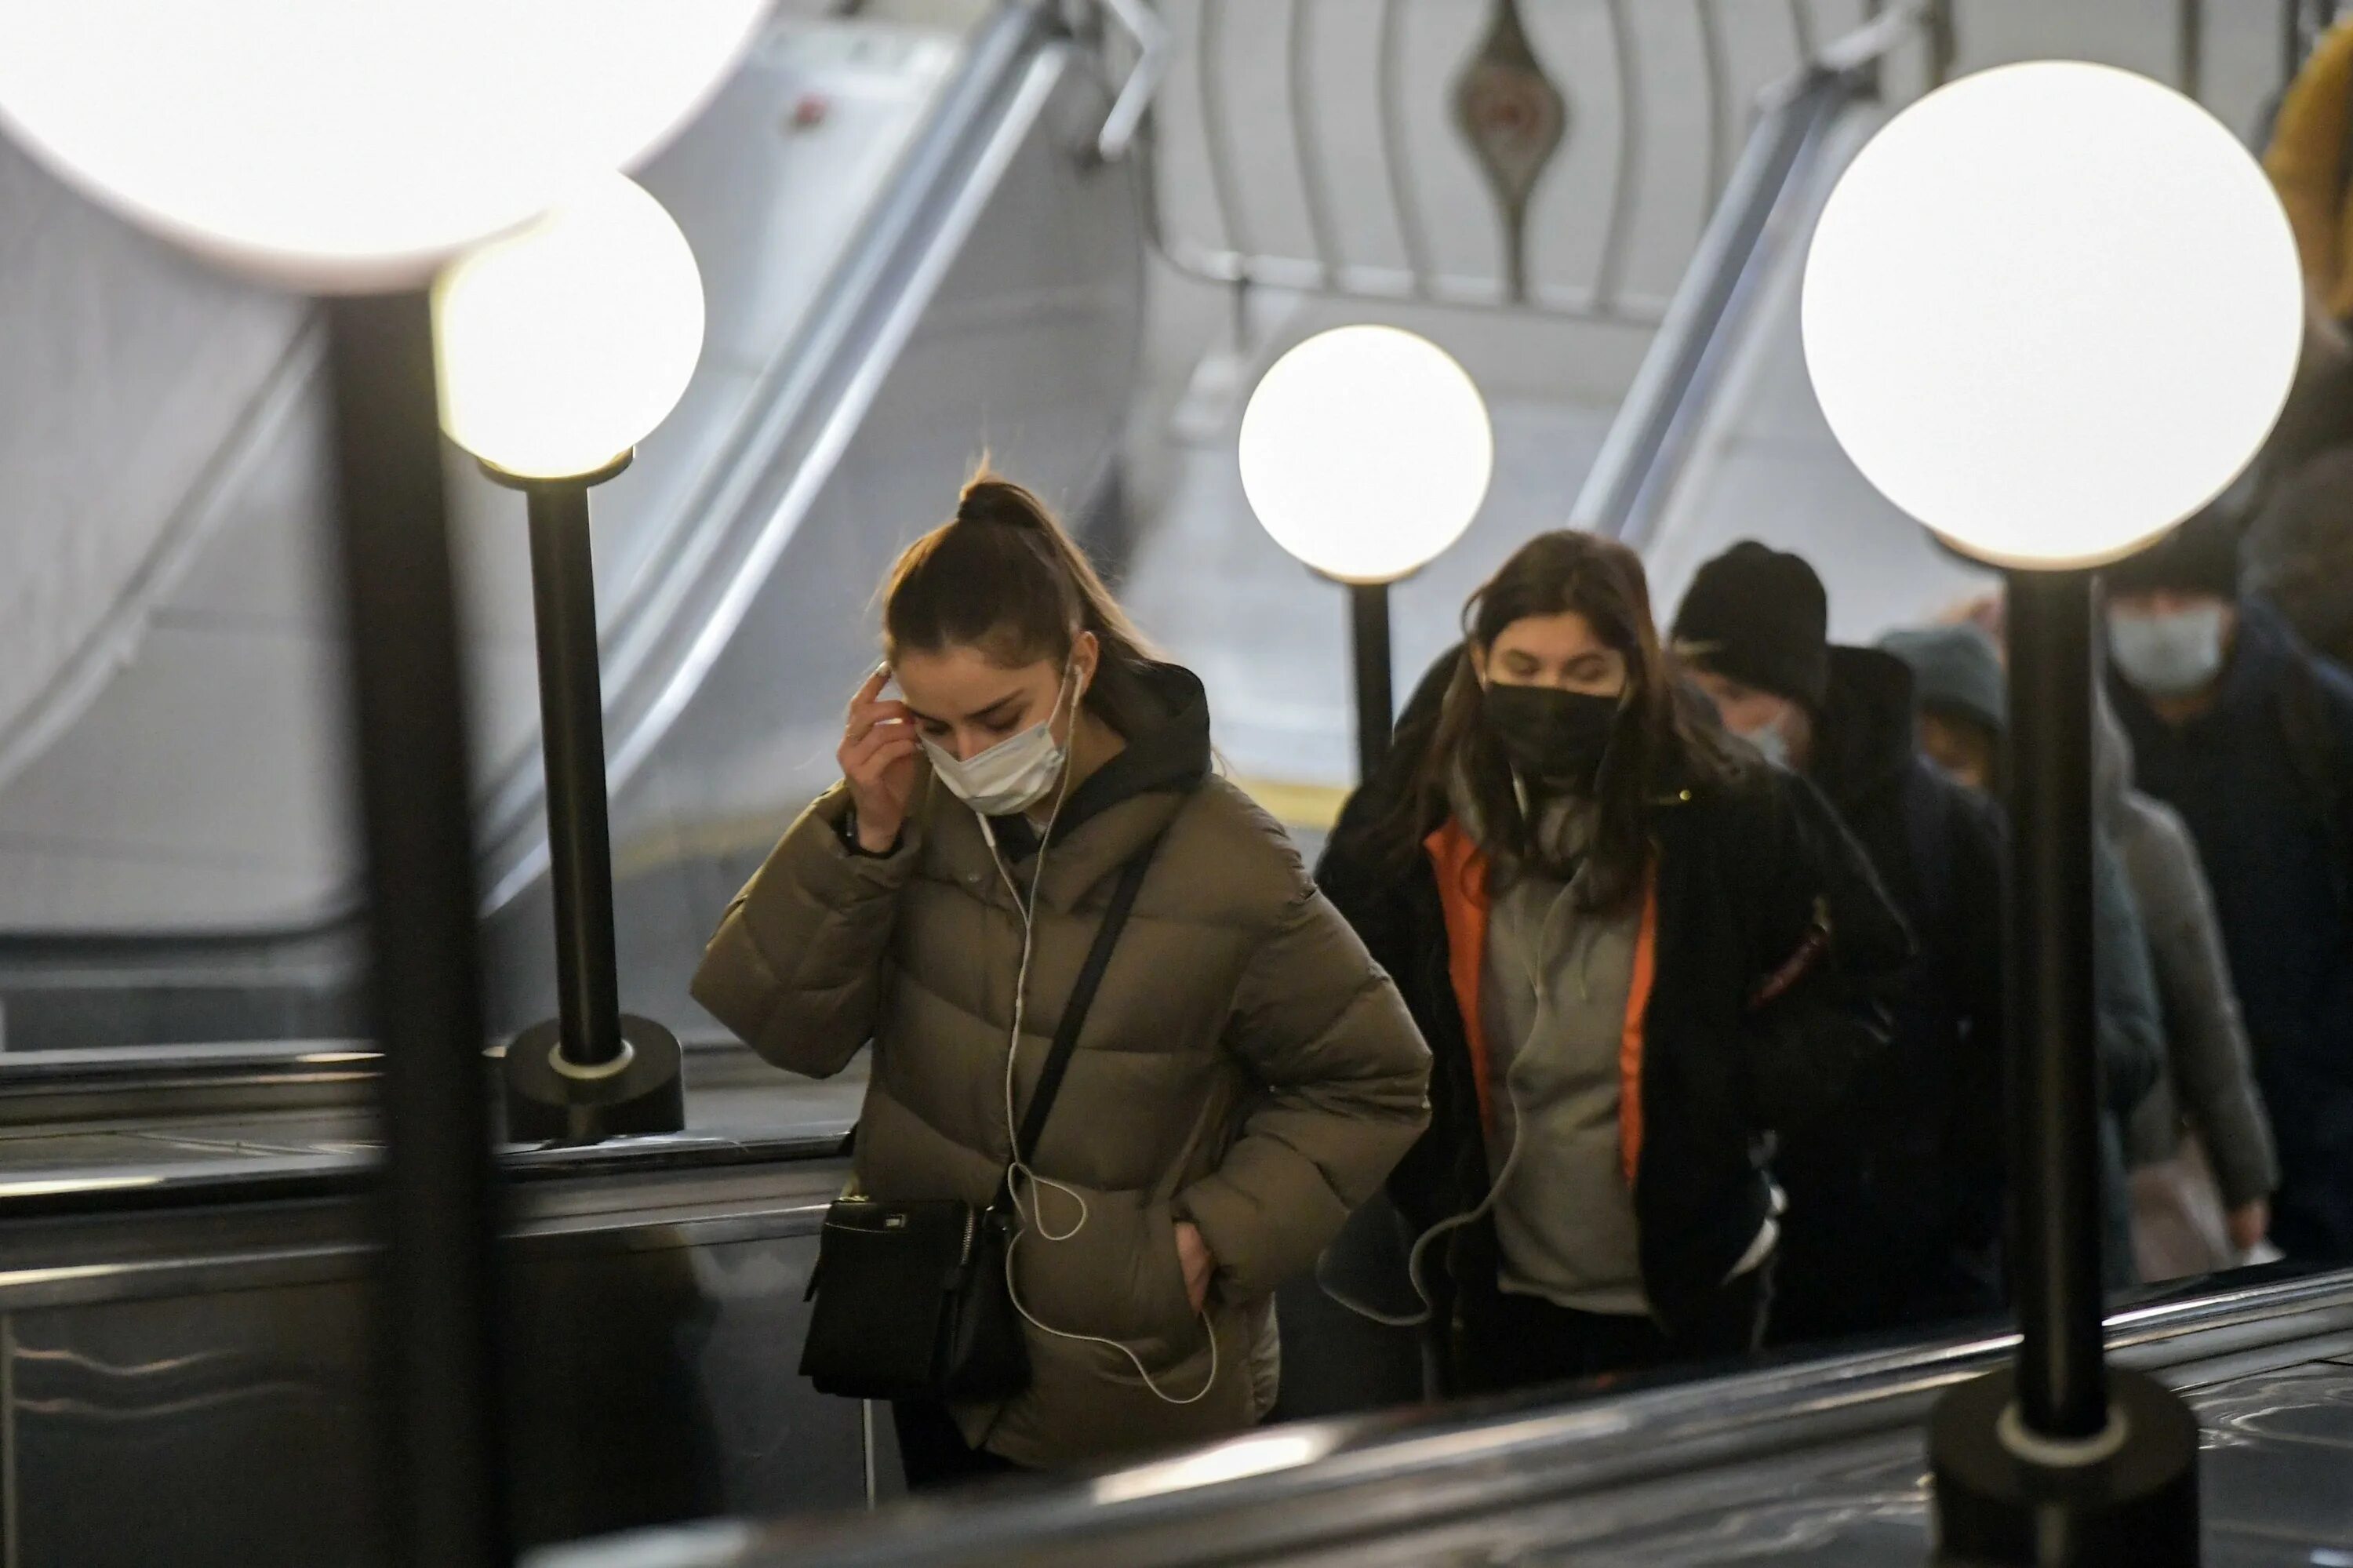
(2051, 310)
(1366, 451)
(562, 344)
(351, 145)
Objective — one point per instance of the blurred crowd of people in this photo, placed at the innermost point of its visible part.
(2224, 956)
(1657, 974)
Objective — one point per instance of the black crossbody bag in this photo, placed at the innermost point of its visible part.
(911, 1300)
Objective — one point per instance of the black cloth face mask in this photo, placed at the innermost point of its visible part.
(1555, 738)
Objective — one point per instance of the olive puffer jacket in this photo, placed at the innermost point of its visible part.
(1245, 1067)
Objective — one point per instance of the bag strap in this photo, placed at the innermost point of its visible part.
(1082, 996)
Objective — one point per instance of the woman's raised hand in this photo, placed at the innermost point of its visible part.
(878, 760)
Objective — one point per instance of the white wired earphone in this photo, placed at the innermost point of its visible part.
(1494, 1189)
(1421, 1244)
(1020, 1168)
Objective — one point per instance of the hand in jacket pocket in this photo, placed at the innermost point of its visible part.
(2251, 1224)
(1193, 1254)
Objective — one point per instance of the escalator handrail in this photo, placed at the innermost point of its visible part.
(1645, 443)
(1314, 1488)
(112, 1075)
(292, 1175)
(1642, 453)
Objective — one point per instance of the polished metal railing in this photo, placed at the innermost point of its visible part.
(1621, 489)
(1641, 455)
(1515, 111)
(1638, 455)
(1322, 1491)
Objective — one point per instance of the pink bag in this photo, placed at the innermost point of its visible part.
(2177, 1224)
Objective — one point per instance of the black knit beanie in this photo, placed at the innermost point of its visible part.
(2200, 556)
(1759, 616)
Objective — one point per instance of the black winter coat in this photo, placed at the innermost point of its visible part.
(1746, 871)
(1896, 1216)
(2264, 779)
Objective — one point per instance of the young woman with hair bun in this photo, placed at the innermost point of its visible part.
(1245, 1077)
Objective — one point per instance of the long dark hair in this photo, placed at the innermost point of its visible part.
(1662, 741)
(1003, 576)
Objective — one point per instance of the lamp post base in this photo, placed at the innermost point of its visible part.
(551, 1100)
(2004, 1499)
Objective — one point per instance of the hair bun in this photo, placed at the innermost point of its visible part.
(990, 500)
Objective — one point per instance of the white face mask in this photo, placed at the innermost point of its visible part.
(2168, 655)
(1769, 740)
(1013, 775)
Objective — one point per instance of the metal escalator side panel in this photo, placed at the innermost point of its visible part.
(1672, 388)
(1752, 456)
(193, 1386)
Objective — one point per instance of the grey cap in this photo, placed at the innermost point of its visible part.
(1955, 667)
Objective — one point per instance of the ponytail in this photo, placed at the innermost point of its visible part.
(1003, 576)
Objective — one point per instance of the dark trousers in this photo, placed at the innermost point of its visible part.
(1506, 1341)
(933, 1452)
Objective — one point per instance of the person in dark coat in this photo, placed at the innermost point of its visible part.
(1961, 695)
(1897, 1215)
(2249, 736)
(2200, 1147)
(2298, 551)
(1635, 952)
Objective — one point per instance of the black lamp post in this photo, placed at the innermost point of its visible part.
(592, 1071)
(2059, 1459)
(561, 346)
(442, 1370)
(1369, 651)
(1999, 417)
(2055, 1092)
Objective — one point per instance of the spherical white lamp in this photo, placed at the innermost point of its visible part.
(352, 145)
(562, 344)
(2051, 310)
(1366, 451)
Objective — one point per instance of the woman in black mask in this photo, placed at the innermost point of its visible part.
(1635, 948)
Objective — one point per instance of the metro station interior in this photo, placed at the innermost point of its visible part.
(250, 1315)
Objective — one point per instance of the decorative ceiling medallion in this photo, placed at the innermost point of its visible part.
(1514, 119)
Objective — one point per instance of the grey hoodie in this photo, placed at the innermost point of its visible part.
(2209, 1078)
